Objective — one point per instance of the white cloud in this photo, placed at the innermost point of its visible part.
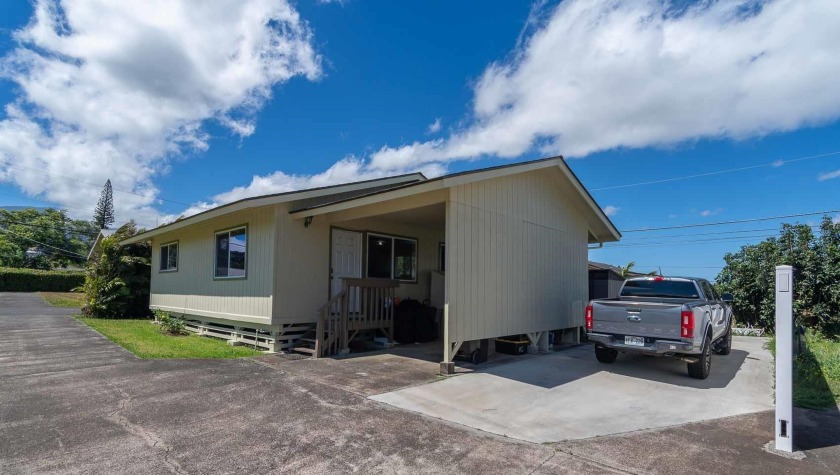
(604, 74)
(611, 210)
(116, 89)
(434, 127)
(710, 212)
(829, 175)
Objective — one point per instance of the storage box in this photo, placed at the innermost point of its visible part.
(512, 345)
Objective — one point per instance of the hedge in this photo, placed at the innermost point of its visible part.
(34, 280)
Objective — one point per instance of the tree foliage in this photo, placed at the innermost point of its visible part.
(43, 239)
(118, 277)
(103, 216)
(750, 276)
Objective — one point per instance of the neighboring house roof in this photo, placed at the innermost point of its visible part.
(601, 266)
(601, 227)
(596, 217)
(263, 200)
(103, 233)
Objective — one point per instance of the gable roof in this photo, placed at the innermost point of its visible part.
(383, 189)
(609, 231)
(263, 200)
(103, 233)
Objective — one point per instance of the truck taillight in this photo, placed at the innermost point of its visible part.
(589, 322)
(687, 324)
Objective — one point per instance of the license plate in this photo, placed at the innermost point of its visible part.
(634, 340)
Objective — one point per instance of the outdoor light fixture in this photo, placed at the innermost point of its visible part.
(307, 221)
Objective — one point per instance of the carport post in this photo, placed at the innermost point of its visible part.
(784, 358)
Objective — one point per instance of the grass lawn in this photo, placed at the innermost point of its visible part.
(144, 339)
(64, 299)
(816, 372)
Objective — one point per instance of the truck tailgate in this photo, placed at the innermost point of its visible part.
(648, 319)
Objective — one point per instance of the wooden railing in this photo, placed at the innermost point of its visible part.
(362, 304)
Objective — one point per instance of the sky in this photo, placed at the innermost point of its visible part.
(185, 105)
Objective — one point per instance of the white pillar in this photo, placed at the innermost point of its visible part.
(784, 358)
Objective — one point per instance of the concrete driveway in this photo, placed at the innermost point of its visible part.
(569, 395)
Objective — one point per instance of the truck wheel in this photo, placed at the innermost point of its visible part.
(724, 346)
(700, 369)
(605, 355)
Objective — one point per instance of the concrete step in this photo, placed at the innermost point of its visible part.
(303, 349)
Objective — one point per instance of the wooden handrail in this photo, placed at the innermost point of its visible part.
(370, 301)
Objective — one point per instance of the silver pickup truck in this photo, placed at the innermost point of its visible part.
(663, 316)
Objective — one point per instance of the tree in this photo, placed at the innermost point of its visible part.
(104, 214)
(43, 239)
(118, 277)
(628, 269)
(750, 276)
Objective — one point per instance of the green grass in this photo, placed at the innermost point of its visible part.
(144, 339)
(64, 299)
(816, 372)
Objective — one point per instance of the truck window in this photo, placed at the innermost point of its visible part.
(668, 289)
(709, 291)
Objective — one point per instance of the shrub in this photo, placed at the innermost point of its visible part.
(117, 281)
(33, 280)
(169, 324)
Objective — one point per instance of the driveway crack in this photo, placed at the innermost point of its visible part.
(149, 437)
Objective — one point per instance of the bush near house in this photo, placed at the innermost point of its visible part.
(34, 280)
(118, 277)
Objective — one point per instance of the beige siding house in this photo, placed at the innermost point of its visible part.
(499, 251)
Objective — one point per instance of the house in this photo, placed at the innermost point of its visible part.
(97, 243)
(605, 280)
(502, 250)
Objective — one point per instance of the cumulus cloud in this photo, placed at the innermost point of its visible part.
(603, 74)
(434, 127)
(116, 89)
(611, 210)
(829, 175)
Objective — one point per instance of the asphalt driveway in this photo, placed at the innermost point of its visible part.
(72, 402)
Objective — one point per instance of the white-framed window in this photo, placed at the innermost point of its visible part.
(169, 257)
(231, 253)
(391, 257)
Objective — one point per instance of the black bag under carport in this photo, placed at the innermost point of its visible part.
(405, 321)
(425, 327)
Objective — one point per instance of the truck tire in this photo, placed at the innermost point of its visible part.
(605, 355)
(701, 369)
(724, 345)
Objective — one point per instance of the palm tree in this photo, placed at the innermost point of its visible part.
(626, 270)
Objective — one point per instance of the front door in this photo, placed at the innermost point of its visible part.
(346, 259)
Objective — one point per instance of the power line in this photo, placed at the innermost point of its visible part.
(668, 236)
(774, 164)
(739, 221)
(59, 207)
(649, 243)
(43, 244)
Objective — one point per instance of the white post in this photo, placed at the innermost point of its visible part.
(784, 358)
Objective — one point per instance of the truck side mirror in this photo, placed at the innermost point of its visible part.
(727, 297)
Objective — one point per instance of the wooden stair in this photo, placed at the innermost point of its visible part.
(306, 344)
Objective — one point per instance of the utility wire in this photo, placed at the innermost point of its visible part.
(776, 163)
(668, 236)
(43, 244)
(738, 221)
(48, 227)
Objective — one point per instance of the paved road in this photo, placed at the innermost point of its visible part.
(569, 395)
(71, 402)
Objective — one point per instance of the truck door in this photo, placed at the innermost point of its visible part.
(716, 309)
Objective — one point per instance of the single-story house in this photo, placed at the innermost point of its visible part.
(605, 280)
(97, 243)
(501, 251)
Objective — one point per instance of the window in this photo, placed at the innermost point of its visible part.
(391, 257)
(670, 289)
(169, 257)
(231, 253)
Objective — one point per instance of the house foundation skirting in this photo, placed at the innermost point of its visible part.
(279, 338)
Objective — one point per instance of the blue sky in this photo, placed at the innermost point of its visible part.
(354, 87)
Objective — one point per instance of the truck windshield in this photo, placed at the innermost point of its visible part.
(659, 288)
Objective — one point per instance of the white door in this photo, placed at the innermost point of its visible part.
(346, 259)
